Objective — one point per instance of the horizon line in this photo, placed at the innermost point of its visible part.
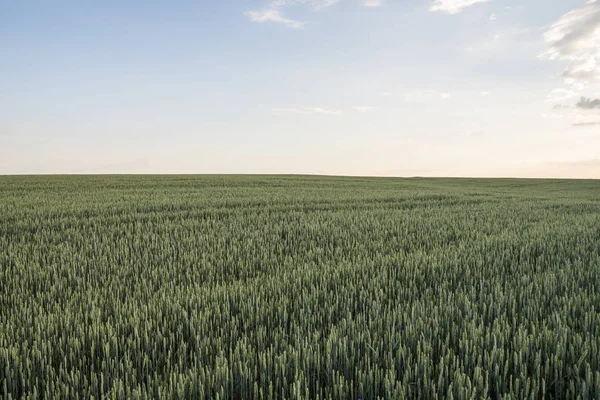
(124, 174)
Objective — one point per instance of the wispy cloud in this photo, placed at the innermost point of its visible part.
(273, 11)
(575, 38)
(583, 113)
(272, 15)
(561, 107)
(318, 4)
(580, 124)
(315, 4)
(306, 111)
(453, 6)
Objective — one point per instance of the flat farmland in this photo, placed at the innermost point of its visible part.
(298, 287)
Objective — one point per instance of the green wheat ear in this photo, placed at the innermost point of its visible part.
(250, 287)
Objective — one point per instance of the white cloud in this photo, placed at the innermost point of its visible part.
(362, 109)
(575, 38)
(273, 12)
(453, 6)
(306, 111)
(493, 17)
(373, 3)
(315, 4)
(272, 15)
(484, 94)
(318, 4)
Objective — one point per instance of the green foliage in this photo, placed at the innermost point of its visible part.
(224, 287)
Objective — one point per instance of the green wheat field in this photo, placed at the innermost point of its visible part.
(298, 287)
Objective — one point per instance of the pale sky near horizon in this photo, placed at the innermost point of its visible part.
(344, 87)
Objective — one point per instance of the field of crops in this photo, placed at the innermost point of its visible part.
(281, 287)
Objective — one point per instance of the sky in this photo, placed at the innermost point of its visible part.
(337, 87)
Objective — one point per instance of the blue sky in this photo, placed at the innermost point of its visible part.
(353, 87)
